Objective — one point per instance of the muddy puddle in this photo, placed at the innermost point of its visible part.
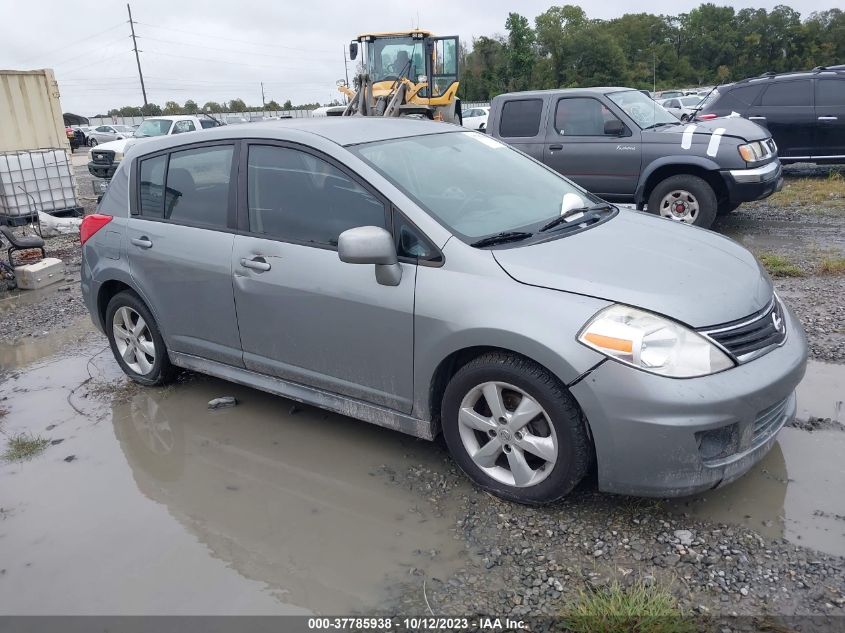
(795, 492)
(759, 235)
(255, 509)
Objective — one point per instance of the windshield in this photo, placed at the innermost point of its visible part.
(122, 128)
(154, 127)
(691, 101)
(474, 185)
(391, 57)
(645, 112)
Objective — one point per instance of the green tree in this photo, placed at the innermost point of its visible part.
(151, 109)
(288, 105)
(237, 105)
(520, 52)
(273, 105)
(171, 107)
(212, 106)
(190, 107)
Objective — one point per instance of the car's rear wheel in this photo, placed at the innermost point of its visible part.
(684, 198)
(92, 142)
(514, 429)
(136, 341)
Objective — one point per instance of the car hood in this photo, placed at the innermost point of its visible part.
(123, 144)
(693, 275)
(734, 126)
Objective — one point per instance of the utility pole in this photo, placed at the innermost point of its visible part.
(653, 72)
(137, 59)
(263, 105)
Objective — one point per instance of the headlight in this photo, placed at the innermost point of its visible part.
(652, 343)
(118, 156)
(752, 152)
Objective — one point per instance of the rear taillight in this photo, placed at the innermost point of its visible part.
(91, 224)
(706, 117)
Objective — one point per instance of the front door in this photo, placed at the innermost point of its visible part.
(180, 248)
(578, 147)
(304, 315)
(830, 117)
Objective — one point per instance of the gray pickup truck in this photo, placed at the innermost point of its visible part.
(620, 145)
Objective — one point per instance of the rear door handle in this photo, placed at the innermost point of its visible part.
(756, 118)
(553, 148)
(143, 242)
(257, 263)
(828, 118)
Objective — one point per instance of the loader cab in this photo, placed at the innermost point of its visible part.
(416, 55)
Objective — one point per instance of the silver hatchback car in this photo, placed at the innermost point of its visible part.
(431, 280)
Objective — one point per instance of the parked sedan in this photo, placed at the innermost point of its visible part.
(505, 307)
(476, 118)
(683, 107)
(107, 133)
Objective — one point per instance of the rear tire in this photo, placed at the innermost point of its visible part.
(92, 142)
(530, 445)
(136, 341)
(684, 198)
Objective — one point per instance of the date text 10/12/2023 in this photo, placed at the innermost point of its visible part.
(423, 623)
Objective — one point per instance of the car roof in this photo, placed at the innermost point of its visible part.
(343, 131)
(821, 71)
(570, 91)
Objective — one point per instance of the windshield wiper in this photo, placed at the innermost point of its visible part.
(662, 123)
(501, 238)
(583, 210)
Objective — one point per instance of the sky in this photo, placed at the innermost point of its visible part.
(213, 50)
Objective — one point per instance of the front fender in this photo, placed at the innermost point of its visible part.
(694, 161)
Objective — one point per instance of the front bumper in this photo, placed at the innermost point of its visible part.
(644, 426)
(745, 185)
(102, 170)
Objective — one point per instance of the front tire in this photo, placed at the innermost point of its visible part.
(514, 429)
(136, 341)
(684, 198)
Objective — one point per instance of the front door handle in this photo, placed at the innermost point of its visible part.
(257, 263)
(553, 148)
(828, 118)
(756, 118)
(143, 242)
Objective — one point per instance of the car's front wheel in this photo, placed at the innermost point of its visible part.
(136, 341)
(684, 198)
(514, 429)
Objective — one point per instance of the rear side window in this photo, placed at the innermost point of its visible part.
(183, 126)
(521, 118)
(830, 92)
(296, 196)
(195, 189)
(745, 94)
(788, 93)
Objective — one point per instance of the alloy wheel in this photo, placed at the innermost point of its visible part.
(507, 434)
(134, 340)
(679, 205)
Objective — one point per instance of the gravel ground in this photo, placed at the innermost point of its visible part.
(533, 561)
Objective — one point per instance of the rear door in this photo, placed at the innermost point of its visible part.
(180, 247)
(830, 117)
(304, 315)
(521, 123)
(786, 109)
(577, 146)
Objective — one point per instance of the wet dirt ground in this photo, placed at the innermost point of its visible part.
(147, 502)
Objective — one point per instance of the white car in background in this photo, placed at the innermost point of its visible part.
(476, 118)
(683, 107)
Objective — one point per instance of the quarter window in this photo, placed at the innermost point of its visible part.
(787, 93)
(151, 185)
(830, 92)
(183, 126)
(295, 196)
(521, 118)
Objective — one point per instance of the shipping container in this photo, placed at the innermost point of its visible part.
(30, 112)
(35, 169)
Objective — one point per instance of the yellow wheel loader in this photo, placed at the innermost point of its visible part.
(410, 73)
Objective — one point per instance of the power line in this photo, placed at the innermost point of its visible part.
(87, 39)
(214, 61)
(215, 48)
(231, 39)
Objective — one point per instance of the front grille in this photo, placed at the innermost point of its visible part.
(752, 336)
(769, 421)
(105, 157)
(770, 144)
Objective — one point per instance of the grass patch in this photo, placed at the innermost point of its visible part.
(24, 446)
(618, 609)
(826, 193)
(832, 266)
(780, 266)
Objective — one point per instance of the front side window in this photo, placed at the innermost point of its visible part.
(581, 116)
(473, 184)
(644, 111)
(521, 118)
(788, 93)
(296, 196)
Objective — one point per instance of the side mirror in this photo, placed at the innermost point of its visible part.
(353, 50)
(371, 245)
(614, 127)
